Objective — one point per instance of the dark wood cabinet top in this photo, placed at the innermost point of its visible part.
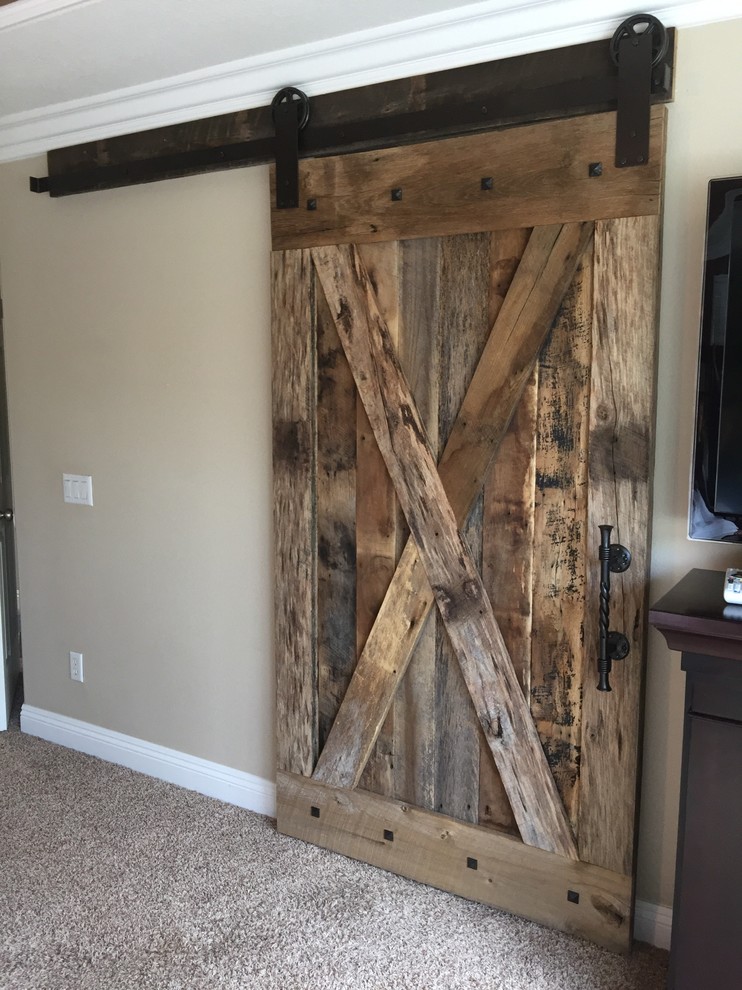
(694, 618)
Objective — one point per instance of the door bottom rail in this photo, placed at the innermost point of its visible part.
(478, 863)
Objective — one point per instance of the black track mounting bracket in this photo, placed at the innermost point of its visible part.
(638, 47)
(290, 108)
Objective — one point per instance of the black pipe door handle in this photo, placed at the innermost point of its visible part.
(612, 645)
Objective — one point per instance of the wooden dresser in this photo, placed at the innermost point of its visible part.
(706, 947)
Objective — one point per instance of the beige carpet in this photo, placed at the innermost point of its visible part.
(109, 879)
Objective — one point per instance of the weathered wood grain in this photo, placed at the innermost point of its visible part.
(458, 734)
(617, 447)
(294, 480)
(559, 533)
(543, 275)
(621, 446)
(335, 519)
(379, 542)
(463, 332)
(379, 670)
(507, 529)
(376, 514)
(415, 736)
(540, 176)
(449, 565)
(434, 849)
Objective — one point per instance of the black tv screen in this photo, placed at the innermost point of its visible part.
(716, 508)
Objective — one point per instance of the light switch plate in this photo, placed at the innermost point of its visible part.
(78, 489)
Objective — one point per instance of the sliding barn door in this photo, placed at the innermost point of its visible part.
(464, 368)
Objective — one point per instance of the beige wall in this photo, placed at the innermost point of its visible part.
(138, 351)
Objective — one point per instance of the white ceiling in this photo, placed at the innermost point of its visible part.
(85, 48)
(75, 70)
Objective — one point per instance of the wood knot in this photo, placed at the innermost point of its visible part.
(492, 725)
(291, 444)
(445, 601)
(610, 912)
(471, 590)
(345, 317)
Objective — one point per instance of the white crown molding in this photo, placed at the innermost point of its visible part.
(466, 35)
(212, 779)
(25, 11)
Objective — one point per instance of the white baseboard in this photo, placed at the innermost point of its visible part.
(212, 779)
(653, 924)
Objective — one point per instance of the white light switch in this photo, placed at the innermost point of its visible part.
(78, 489)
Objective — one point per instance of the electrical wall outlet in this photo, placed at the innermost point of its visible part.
(76, 666)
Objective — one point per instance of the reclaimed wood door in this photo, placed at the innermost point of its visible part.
(464, 372)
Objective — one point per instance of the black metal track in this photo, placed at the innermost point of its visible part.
(450, 112)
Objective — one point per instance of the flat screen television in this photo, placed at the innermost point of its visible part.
(716, 500)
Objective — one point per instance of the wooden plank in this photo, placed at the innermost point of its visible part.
(464, 329)
(560, 518)
(540, 174)
(545, 271)
(509, 546)
(416, 762)
(622, 410)
(375, 500)
(377, 513)
(537, 86)
(459, 736)
(294, 479)
(434, 849)
(449, 565)
(335, 519)
(507, 529)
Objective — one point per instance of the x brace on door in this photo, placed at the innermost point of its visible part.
(468, 281)
(436, 503)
